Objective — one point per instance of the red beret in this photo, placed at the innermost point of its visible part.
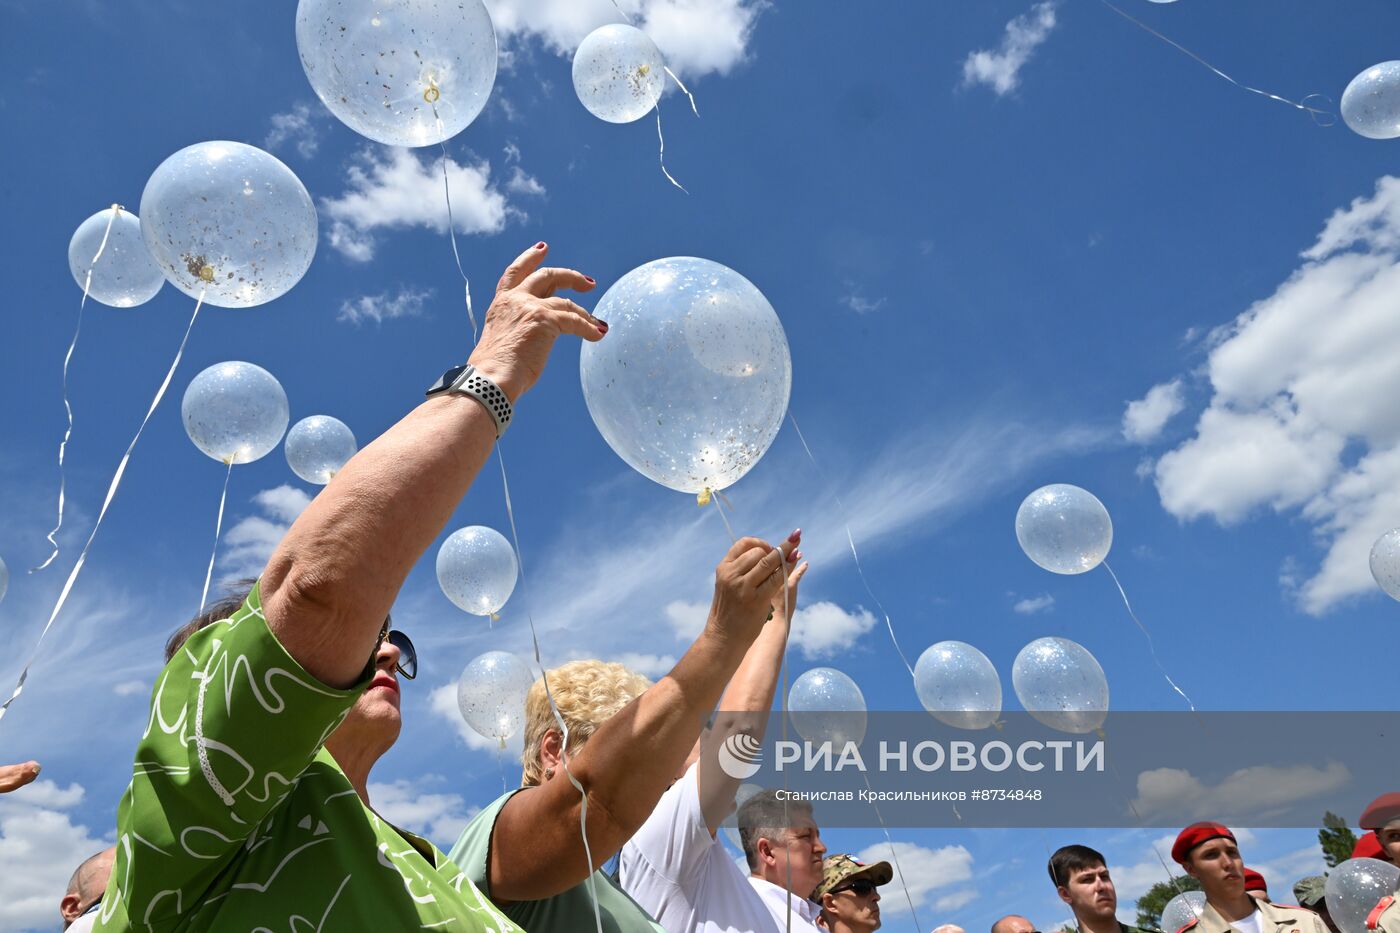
(1368, 846)
(1253, 881)
(1194, 835)
(1382, 810)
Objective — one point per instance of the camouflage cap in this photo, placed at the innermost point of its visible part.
(838, 869)
(1310, 890)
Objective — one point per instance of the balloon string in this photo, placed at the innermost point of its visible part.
(106, 502)
(724, 518)
(1311, 111)
(662, 140)
(851, 540)
(1148, 635)
(67, 358)
(683, 88)
(218, 529)
(894, 854)
(452, 230)
(549, 695)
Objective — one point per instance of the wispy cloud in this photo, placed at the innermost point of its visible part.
(249, 543)
(1000, 68)
(385, 306)
(925, 871)
(40, 846)
(858, 302)
(420, 806)
(299, 128)
(1248, 792)
(1034, 604)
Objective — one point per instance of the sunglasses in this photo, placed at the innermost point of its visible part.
(408, 656)
(861, 887)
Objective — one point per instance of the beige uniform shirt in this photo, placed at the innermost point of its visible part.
(1386, 916)
(1275, 918)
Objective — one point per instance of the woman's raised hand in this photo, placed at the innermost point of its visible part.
(746, 581)
(525, 318)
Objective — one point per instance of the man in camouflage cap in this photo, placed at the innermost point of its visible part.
(1311, 892)
(847, 894)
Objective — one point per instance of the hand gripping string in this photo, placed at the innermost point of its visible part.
(106, 502)
(549, 695)
(218, 529)
(1302, 105)
(67, 358)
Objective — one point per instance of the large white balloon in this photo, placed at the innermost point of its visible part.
(825, 705)
(1185, 908)
(691, 384)
(124, 274)
(230, 222)
(476, 568)
(619, 73)
(959, 685)
(1355, 887)
(491, 695)
(1064, 529)
(1385, 562)
(318, 446)
(1371, 102)
(1061, 684)
(404, 72)
(235, 412)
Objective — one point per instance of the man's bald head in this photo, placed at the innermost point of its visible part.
(1013, 923)
(87, 884)
(949, 928)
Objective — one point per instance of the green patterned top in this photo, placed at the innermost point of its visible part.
(237, 818)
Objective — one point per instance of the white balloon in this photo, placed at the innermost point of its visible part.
(619, 73)
(476, 568)
(124, 274)
(403, 72)
(1355, 887)
(318, 446)
(825, 705)
(959, 685)
(1385, 562)
(1371, 102)
(235, 412)
(692, 381)
(1061, 684)
(1182, 909)
(491, 694)
(1064, 529)
(4, 579)
(229, 222)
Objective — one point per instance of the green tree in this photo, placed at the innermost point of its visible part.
(1149, 906)
(1336, 838)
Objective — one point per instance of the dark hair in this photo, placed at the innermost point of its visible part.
(765, 816)
(235, 595)
(1069, 859)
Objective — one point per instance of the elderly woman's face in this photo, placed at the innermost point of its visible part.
(377, 709)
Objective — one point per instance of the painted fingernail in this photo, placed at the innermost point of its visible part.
(589, 280)
(795, 536)
(539, 245)
(792, 558)
(603, 326)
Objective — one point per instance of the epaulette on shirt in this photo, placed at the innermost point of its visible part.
(1373, 919)
(1189, 925)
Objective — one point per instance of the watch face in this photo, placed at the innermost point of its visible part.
(447, 379)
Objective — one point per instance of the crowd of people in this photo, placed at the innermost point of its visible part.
(249, 805)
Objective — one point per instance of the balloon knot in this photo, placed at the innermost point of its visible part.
(503, 743)
(643, 70)
(704, 497)
(1099, 732)
(998, 724)
(432, 94)
(495, 618)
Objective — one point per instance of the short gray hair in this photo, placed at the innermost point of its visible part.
(765, 816)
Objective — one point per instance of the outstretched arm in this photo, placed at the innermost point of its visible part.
(334, 576)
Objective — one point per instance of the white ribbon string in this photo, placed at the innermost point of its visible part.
(67, 358)
(1313, 112)
(549, 695)
(1151, 647)
(218, 529)
(106, 502)
(662, 140)
(894, 854)
(452, 231)
(684, 89)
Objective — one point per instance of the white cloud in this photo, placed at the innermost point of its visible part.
(521, 183)
(248, 544)
(411, 805)
(129, 688)
(1001, 69)
(442, 702)
(1033, 604)
(397, 190)
(687, 620)
(824, 630)
(956, 900)
(924, 871)
(1133, 881)
(1248, 792)
(406, 302)
(697, 37)
(1144, 419)
(1302, 413)
(297, 127)
(650, 665)
(859, 303)
(39, 847)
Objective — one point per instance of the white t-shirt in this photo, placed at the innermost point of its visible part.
(1251, 924)
(682, 876)
(776, 897)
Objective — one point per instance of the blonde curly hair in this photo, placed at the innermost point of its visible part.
(588, 693)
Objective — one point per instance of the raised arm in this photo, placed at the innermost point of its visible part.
(634, 756)
(334, 577)
(748, 699)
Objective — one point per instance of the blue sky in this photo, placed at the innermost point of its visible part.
(976, 279)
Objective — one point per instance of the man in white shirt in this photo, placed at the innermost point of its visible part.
(784, 849)
(674, 867)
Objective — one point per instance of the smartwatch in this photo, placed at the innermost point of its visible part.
(465, 380)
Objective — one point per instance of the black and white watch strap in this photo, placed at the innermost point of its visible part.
(467, 381)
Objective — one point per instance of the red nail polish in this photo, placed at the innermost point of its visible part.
(792, 557)
(795, 536)
(602, 328)
(589, 280)
(539, 245)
